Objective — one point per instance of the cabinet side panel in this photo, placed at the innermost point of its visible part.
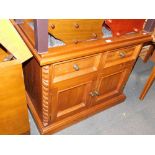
(33, 83)
(13, 109)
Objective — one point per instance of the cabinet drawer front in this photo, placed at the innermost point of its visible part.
(120, 55)
(75, 67)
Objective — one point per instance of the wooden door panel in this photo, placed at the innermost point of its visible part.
(71, 100)
(111, 85)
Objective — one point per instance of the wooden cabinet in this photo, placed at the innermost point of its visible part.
(65, 88)
(13, 108)
(74, 89)
(86, 75)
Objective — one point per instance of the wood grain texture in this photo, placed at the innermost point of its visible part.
(45, 94)
(12, 41)
(28, 37)
(148, 84)
(28, 31)
(147, 52)
(13, 108)
(59, 125)
(73, 96)
(76, 67)
(152, 58)
(3, 54)
(72, 82)
(75, 30)
(111, 82)
(33, 77)
(85, 48)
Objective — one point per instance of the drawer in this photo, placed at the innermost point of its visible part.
(72, 30)
(116, 68)
(119, 56)
(110, 70)
(76, 67)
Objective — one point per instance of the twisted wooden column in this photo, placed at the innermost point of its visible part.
(45, 94)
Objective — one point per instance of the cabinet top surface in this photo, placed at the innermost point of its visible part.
(74, 50)
(92, 47)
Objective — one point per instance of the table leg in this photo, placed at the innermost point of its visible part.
(148, 84)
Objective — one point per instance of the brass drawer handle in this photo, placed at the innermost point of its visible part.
(52, 26)
(76, 67)
(76, 26)
(94, 35)
(97, 93)
(122, 54)
(92, 94)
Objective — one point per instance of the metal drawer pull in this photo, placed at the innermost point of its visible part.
(76, 26)
(53, 26)
(94, 35)
(76, 67)
(96, 93)
(122, 54)
(92, 94)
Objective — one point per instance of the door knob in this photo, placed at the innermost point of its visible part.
(94, 35)
(76, 67)
(92, 94)
(76, 26)
(52, 26)
(122, 54)
(96, 93)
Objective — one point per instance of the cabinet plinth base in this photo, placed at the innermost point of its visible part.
(56, 126)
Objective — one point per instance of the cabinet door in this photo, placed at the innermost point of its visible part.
(111, 82)
(70, 97)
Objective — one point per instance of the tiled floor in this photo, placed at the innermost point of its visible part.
(131, 117)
